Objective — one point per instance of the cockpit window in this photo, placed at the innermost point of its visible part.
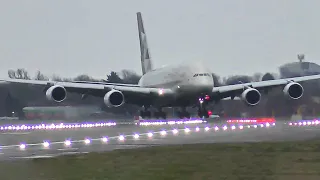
(203, 74)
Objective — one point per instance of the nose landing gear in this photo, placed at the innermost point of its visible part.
(202, 111)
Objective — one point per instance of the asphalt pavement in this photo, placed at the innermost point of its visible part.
(54, 142)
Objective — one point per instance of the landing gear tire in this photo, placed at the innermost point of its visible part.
(163, 115)
(145, 114)
(183, 115)
(179, 114)
(160, 114)
(203, 113)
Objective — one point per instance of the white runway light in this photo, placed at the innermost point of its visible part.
(87, 141)
(225, 127)
(233, 127)
(187, 130)
(163, 132)
(136, 136)
(206, 128)
(22, 146)
(216, 128)
(150, 135)
(104, 139)
(67, 143)
(197, 129)
(121, 138)
(175, 131)
(46, 144)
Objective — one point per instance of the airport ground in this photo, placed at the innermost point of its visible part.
(189, 160)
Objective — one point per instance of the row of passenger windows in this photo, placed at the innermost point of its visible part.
(204, 74)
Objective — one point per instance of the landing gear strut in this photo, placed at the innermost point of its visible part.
(160, 114)
(145, 113)
(183, 113)
(202, 111)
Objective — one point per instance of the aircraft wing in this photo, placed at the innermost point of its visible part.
(106, 83)
(97, 89)
(235, 90)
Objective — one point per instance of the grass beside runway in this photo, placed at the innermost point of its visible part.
(281, 160)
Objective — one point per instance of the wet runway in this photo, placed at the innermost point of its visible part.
(50, 143)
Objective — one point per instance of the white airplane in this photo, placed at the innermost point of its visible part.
(187, 84)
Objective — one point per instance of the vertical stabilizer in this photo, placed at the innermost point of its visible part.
(144, 49)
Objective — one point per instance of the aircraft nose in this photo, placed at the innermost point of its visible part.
(205, 84)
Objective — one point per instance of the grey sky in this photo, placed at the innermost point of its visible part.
(71, 37)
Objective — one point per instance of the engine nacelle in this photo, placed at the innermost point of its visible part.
(56, 93)
(114, 98)
(251, 96)
(293, 90)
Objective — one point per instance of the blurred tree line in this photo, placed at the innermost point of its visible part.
(16, 96)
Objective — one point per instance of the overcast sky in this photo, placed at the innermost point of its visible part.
(72, 37)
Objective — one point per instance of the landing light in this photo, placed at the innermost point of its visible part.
(160, 91)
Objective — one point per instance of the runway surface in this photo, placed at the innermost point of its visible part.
(55, 142)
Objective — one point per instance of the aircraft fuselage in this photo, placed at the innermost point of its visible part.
(189, 81)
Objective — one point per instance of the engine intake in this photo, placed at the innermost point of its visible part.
(293, 90)
(56, 93)
(114, 98)
(251, 96)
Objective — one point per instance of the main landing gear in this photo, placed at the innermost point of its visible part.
(183, 113)
(145, 113)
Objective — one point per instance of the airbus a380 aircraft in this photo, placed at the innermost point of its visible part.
(171, 86)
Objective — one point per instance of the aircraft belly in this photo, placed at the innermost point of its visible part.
(180, 100)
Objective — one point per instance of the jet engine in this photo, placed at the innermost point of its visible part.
(114, 98)
(293, 90)
(56, 93)
(251, 96)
